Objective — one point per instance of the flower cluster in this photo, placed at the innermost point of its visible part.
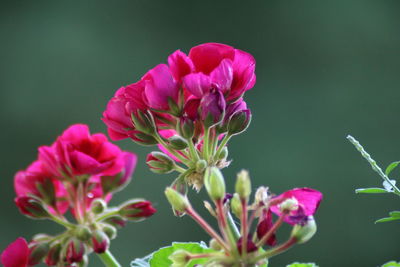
(237, 245)
(78, 173)
(190, 108)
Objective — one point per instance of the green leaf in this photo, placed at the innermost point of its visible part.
(297, 264)
(394, 214)
(391, 264)
(391, 167)
(387, 219)
(372, 190)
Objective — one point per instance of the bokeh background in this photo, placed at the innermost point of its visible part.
(324, 69)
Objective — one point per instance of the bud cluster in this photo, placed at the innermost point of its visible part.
(238, 243)
(78, 173)
(190, 108)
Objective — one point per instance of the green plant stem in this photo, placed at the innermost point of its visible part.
(224, 227)
(62, 222)
(108, 259)
(373, 164)
(222, 144)
(193, 150)
(275, 251)
(173, 152)
(107, 215)
(232, 225)
(179, 169)
(206, 140)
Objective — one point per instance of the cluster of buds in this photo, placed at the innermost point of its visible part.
(240, 245)
(78, 173)
(190, 108)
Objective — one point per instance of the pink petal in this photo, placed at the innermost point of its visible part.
(180, 65)
(197, 84)
(206, 57)
(222, 75)
(16, 254)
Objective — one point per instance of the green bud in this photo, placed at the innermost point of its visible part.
(177, 142)
(178, 202)
(223, 154)
(98, 206)
(239, 122)
(236, 205)
(180, 258)
(110, 231)
(215, 245)
(186, 128)
(41, 238)
(37, 252)
(215, 183)
(201, 165)
(304, 233)
(144, 122)
(83, 233)
(243, 185)
(54, 254)
(160, 162)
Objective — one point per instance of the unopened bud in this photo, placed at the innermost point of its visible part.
(83, 232)
(239, 122)
(160, 162)
(41, 238)
(98, 206)
(31, 207)
(75, 250)
(53, 256)
(100, 241)
(37, 252)
(215, 183)
(144, 122)
(243, 185)
(178, 202)
(110, 231)
(223, 154)
(177, 142)
(144, 139)
(180, 258)
(116, 221)
(136, 209)
(289, 204)
(305, 232)
(215, 245)
(236, 205)
(186, 128)
(201, 165)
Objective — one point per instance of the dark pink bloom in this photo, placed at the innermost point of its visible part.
(75, 251)
(160, 88)
(16, 254)
(213, 105)
(38, 181)
(100, 241)
(77, 152)
(31, 207)
(137, 209)
(264, 226)
(180, 65)
(308, 202)
(250, 247)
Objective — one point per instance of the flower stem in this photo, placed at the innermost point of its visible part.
(193, 151)
(222, 144)
(244, 229)
(277, 250)
(373, 164)
(173, 152)
(206, 154)
(108, 259)
(232, 225)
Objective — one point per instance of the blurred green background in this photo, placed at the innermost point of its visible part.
(324, 69)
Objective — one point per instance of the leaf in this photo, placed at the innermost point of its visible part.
(372, 190)
(394, 214)
(391, 264)
(387, 219)
(391, 167)
(297, 264)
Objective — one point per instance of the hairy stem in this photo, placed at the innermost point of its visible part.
(108, 259)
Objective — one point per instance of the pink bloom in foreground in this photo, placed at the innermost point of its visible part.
(77, 152)
(308, 202)
(16, 254)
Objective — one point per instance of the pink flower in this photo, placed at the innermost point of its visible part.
(264, 226)
(308, 202)
(160, 88)
(212, 107)
(16, 254)
(77, 152)
(37, 181)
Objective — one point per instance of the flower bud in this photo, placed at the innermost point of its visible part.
(223, 154)
(116, 221)
(215, 245)
(303, 233)
(160, 162)
(236, 206)
(178, 202)
(212, 107)
(180, 258)
(144, 122)
(215, 183)
(37, 251)
(201, 165)
(243, 185)
(53, 256)
(177, 142)
(239, 122)
(75, 250)
(98, 206)
(100, 241)
(186, 128)
(31, 207)
(143, 139)
(41, 238)
(136, 209)
(83, 233)
(110, 231)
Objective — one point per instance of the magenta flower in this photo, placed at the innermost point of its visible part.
(16, 254)
(212, 107)
(77, 152)
(264, 226)
(307, 200)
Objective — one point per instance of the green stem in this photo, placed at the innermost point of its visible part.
(108, 259)
(222, 144)
(179, 169)
(206, 140)
(232, 225)
(275, 251)
(193, 151)
(107, 215)
(62, 222)
(373, 164)
(173, 152)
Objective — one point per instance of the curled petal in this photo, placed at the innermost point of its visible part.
(197, 84)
